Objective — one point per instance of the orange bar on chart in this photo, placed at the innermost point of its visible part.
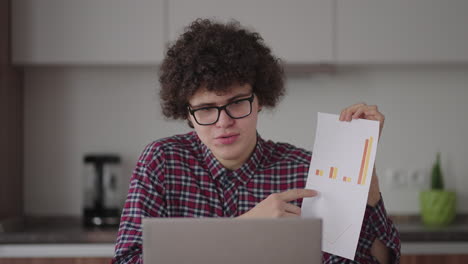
(331, 173)
(346, 179)
(363, 162)
(317, 172)
(366, 167)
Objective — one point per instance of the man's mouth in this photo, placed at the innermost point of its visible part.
(227, 136)
(227, 139)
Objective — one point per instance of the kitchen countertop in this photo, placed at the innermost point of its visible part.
(69, 230)
(54, 230)
(412, 229)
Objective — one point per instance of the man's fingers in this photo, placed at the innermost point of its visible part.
(291, 208)
(347, 113)
(290, 215)
(358, 113)
(295, 194)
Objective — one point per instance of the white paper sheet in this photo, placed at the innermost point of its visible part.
(343, 157)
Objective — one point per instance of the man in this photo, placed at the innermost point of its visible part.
(218, 77)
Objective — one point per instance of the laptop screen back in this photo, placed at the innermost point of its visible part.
(227, 240)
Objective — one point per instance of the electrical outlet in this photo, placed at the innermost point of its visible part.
(419, 178)
(412, 178)
(395, 178)
(401, 178)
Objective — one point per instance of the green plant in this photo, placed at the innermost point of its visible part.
(437, 181)
(438, 206)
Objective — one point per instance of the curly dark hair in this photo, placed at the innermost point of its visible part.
(216, 56)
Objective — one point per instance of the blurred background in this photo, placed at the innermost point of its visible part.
(80, 77)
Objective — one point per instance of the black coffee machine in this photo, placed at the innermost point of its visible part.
(102, 194)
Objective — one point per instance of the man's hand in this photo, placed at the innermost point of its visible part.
(277, 205)
(370, 112)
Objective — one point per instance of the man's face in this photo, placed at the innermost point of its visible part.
(231, 140)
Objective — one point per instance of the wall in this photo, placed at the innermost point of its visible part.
(70, 111)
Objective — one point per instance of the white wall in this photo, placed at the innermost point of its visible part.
(75, 110)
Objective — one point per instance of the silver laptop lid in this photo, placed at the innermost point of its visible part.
(227, 240)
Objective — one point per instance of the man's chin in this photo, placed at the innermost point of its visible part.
(228, 154)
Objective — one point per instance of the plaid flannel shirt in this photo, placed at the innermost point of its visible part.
(179, 177)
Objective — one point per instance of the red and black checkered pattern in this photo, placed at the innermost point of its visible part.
(179, 177)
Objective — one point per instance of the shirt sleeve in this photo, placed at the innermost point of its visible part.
(376, 225)
(145, 199)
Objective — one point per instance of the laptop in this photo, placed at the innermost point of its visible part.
(229, 241)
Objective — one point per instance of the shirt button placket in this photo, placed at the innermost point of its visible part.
(224, 185)
(229, 186)
(220, 190)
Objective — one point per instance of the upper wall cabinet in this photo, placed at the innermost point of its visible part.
(129, 32)
(402, 31)
(297, 31)
(87, 31)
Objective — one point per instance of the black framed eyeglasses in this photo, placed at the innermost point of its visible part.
(209, 115)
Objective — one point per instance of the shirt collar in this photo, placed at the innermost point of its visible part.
(242, 174)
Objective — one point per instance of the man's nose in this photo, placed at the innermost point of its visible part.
(224, 119)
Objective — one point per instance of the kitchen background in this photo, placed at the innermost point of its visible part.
(70, 111)
(81, 77)
(91, 85)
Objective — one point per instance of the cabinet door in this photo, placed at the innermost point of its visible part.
(434, 259)
(298, 31)
(87, 31)
(11, 126)
(402, 31)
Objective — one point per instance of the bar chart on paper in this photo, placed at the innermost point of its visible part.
(340, 170)
(363, 170)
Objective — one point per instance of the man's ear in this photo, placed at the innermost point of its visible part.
(189, 120)
(190, 124)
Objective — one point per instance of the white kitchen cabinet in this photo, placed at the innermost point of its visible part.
(297, 31)
(401, 31)
(87, 31)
